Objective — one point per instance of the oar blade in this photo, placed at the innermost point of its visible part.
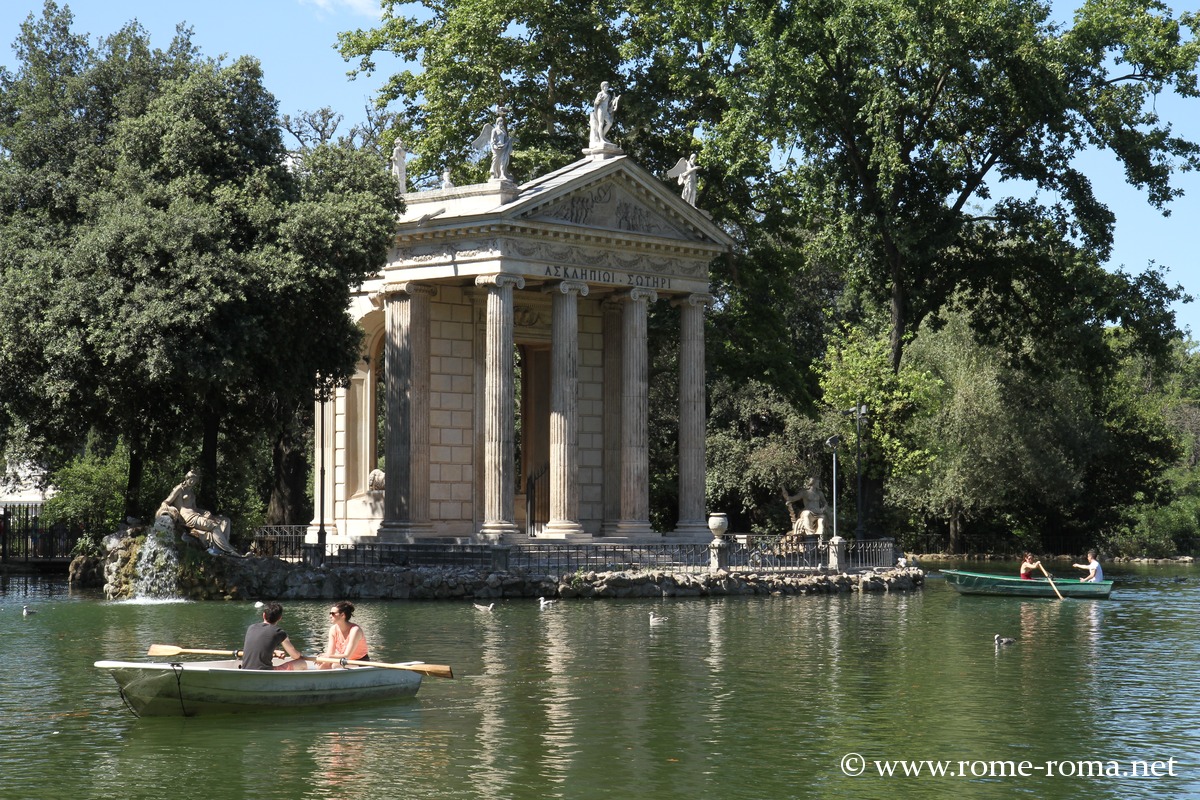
(174, 650)
(164, 650)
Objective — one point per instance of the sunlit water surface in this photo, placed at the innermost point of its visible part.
(762, 697)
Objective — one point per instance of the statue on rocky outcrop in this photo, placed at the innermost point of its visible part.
(495, 138)
(399, 154)
(686, 171)
(811, 520)
(601, 119)
(211, 529)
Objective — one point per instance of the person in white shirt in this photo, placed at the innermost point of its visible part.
(1095, 573)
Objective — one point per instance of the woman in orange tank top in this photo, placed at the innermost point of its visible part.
(346, 638)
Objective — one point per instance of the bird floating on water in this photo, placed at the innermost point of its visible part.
(1004, 640)
(481, 607)
(655, 619)
(543, 602)
(258, 604)
(26, 610)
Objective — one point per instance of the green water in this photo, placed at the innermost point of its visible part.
(730, 698)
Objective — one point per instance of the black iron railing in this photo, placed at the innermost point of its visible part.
(24, 537)
(743, 554)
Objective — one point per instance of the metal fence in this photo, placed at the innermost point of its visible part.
(869, 554)
(744, 554)
(23, 537)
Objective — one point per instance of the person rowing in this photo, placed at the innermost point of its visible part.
(1029, 567)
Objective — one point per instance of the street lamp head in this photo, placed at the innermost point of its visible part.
(833, 441)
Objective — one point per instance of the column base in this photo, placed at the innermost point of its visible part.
(403, 532)
(564, 532)
(562, 529)
(494, 531)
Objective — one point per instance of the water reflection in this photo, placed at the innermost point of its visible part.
(734, 696)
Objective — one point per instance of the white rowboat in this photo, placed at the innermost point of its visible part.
(188, 688)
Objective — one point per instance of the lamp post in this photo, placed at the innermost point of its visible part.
(832, 443)
(322, 396)
(860, 414)
(321, 527)
(837, 546)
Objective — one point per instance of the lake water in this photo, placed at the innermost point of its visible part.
(732, 697)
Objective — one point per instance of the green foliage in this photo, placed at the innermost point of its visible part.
(158, 256)
(857, 372)
(1060, 456)
(759, 446)
(90, 493)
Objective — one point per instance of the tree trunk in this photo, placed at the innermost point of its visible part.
(899, 313)
(289, 503)
(208, 454)
(133, 484)
(955, 530)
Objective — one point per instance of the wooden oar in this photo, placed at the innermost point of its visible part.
(172, 650)
(1052, 586)
(436, 670)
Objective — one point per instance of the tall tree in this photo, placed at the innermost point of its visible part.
(188, 283)
(943, 136)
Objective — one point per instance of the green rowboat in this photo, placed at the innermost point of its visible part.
(1014, 586)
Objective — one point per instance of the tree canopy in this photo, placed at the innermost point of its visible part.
(166, 276)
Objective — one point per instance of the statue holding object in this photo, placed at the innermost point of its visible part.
(495, 138)
(687, 173)
(600, 121)
(211, 529)
(811, 520)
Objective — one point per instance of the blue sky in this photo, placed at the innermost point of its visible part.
(294, 40)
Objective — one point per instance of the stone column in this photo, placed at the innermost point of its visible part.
(564, 410)
(406, 365)
(692, 523)
(499, 408)
(635, 418)
(611, 497)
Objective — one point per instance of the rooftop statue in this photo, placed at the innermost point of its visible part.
(601, 118)
(496, 139)
(686, 171)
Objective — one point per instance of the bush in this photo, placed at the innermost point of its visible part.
(90, 494)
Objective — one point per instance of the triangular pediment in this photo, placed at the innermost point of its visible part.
(613, 204)
(616, 196)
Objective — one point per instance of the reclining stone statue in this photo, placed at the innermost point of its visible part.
(211, 529)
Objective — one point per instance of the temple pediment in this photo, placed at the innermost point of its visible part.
(603, 220)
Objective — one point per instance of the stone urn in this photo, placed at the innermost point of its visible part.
(718, 523)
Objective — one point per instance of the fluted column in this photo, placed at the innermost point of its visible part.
(406, 365)
(692, 518)
(635, 417)
(499, 408)
(613, 314)
(564, 409)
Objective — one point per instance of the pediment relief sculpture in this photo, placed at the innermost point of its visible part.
(609, 205)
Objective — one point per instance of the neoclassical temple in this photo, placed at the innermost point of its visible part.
(503, 388)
